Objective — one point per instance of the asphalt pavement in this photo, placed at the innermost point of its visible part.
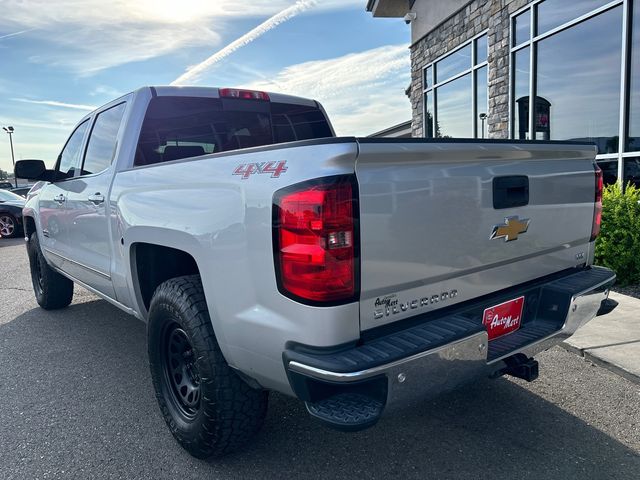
(76, 401)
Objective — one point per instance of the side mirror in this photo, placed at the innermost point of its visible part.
(33, 170)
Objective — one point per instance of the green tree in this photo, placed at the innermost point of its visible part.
(3, 175)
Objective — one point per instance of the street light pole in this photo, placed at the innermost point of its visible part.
(9, 130)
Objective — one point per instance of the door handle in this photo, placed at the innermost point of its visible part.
(60, 199)
(97, 198)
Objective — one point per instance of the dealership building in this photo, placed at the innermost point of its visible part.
(476, 68)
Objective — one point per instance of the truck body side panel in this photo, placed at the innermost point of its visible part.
(225, 223)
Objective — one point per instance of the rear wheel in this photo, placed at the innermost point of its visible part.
(52, 290)
(8, 226)
(209, 409)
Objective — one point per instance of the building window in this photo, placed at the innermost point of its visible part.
(632, 134)
(455, 93)
(578, 64)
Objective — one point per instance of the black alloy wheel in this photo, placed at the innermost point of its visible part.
(208, 407)
(181, 371)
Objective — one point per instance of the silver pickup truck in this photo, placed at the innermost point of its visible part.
(266, 254)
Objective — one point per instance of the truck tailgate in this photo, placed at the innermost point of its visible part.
(429, 210)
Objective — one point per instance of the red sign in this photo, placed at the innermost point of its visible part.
(504, 318)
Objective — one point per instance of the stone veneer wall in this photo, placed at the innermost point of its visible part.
(478, 16)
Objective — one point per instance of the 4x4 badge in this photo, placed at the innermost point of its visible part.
(510, 229)
(274, 168)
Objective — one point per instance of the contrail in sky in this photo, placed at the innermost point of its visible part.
(55, 103)
(281, 17)
(15, 33)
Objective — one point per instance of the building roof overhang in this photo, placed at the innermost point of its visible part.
(389, 8)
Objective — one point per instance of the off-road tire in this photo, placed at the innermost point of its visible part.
(53, 291)
(228, 412)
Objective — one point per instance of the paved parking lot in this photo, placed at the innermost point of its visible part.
(76, 401)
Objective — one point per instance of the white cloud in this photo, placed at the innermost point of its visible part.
(362, 92)
(92, 35)
(106, 91)
(54, 103)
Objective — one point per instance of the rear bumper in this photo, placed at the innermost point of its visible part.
(435, 354)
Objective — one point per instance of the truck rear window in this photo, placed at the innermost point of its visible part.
(183, 127)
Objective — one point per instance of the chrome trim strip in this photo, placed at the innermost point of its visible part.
(98, 272)
(347, 376)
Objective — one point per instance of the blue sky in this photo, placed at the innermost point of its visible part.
(59, 59)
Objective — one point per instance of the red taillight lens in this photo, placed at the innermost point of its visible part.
(314, 235)
(597, 212)
(244, 94)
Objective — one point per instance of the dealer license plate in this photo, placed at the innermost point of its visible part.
(503, 318)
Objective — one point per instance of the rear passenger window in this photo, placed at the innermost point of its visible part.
(102, 142)
(71, 156)
(298, 122)
(183, 127)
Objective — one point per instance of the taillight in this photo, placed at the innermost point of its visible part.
(597, 212)
(244, 94)
(315, 241)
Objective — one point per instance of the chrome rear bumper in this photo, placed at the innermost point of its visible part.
(565, 305)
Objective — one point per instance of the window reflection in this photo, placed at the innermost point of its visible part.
(481, 49)
(453, 64)
(428, 77)
(449, 107)
(428, 112)
(521, 27)
(481, 103)
(632, 171)
(521, 94)
(454, 102)
(633, 141)
(102, 142)
(553, 13)
(609, 171)
(579, 75)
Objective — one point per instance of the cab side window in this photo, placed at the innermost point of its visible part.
(102, 142)
(71, 156)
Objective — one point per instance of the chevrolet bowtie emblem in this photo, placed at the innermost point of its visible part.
(510, 229)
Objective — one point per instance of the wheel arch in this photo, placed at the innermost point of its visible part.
(153, 264)
(29, 225)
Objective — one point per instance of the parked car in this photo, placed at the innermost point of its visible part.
(22, 191)
(10, 214)
(266, 254)
(6, 185)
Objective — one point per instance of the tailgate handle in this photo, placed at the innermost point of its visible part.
(509, 192)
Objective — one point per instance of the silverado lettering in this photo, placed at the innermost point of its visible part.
(392, 307)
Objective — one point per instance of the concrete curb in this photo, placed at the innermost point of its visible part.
(612, 367)
(612, 341)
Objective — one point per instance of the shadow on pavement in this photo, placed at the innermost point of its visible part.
(75, 396)
(11, 242)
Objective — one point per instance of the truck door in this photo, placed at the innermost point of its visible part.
(87, 204)
(53, 197)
